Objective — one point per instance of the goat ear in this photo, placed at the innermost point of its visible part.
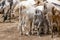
(24, 7)
(53, 11)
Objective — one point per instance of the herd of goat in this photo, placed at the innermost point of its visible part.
(36, 16)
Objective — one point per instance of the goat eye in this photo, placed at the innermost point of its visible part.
(36, 11)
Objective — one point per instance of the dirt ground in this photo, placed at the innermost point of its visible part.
(9, 31)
